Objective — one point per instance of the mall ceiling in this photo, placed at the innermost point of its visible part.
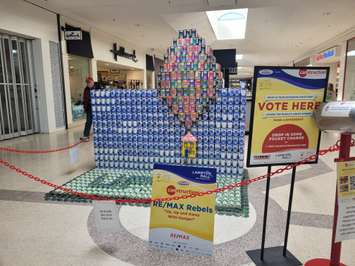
(278, 31)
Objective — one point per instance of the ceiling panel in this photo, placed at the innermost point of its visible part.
(278, 31)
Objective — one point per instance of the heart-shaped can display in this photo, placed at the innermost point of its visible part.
(189, 78)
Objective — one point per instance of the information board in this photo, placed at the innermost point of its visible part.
(283, 129)
(187, 225)
(346, 201)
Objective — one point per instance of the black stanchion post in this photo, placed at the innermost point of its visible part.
(265, 212)
(289, 210)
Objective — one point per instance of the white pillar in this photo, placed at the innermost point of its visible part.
(93, 69)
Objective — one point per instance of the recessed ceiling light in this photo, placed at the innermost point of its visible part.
(238, 57)
(228, 24)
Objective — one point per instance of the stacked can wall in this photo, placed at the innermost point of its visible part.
(135, 129)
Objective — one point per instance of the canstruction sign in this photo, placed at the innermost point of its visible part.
(283, 129)
(183, 226)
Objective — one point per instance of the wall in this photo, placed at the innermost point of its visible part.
(102, 44)
(21, 18)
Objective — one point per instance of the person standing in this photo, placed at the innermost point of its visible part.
(87, 108)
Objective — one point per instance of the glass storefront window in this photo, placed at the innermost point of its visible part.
(79, 70)
(349, 85)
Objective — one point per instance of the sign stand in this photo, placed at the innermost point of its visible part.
(344, 154)
(289, 210)
(280, 140)
(273, 254)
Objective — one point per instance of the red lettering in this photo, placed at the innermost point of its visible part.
(269, 106)
(295, 105)
(303, 105)
(284, 106)
(317, 105)
(310, 105)
(277, 104)
(261, 106)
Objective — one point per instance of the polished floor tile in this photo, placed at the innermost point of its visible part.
(35, 232)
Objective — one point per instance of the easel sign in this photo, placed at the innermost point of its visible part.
(284, 131)
(184, 226)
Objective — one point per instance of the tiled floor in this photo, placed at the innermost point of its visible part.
(35, 232)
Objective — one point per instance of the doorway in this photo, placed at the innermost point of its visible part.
(16, 88)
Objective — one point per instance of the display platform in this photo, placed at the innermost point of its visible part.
(134, 184)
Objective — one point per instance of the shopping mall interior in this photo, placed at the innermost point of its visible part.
(177, 85)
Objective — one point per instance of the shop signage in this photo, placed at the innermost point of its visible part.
(73, 35)
(346, 201)
(330, 53)
(122, 53)
(184, 226)
(283, 129)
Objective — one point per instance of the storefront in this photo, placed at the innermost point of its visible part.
(102, 57)
(111, 75)
(330, 58)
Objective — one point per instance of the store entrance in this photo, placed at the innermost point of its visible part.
(16, 88)
(118, 76)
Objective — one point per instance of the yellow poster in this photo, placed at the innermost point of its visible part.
(183, 226)
(346, 201)
(283, 128)
(346, 179)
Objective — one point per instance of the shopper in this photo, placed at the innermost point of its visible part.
(87, 108)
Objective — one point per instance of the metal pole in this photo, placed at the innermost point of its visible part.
(265, 212)
(289, 210)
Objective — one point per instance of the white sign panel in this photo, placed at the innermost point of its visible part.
(106, 216)
(338, 109)
(71, 35)
(346, 201)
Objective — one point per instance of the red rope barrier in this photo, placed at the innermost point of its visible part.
(13, 150)
(246, 182)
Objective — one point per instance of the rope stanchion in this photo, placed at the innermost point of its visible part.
(13, 150)
(246, 182)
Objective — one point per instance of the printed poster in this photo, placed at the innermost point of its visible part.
(346, 201)
(182, 226)
(283, 129)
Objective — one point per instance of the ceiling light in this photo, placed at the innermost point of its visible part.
(351, 53)
(228, 24)
(238, 57)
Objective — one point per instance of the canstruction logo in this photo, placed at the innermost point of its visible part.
(171, 190)
(303, 73)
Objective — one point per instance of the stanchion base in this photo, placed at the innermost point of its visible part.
(273, 257)
(320, 262)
